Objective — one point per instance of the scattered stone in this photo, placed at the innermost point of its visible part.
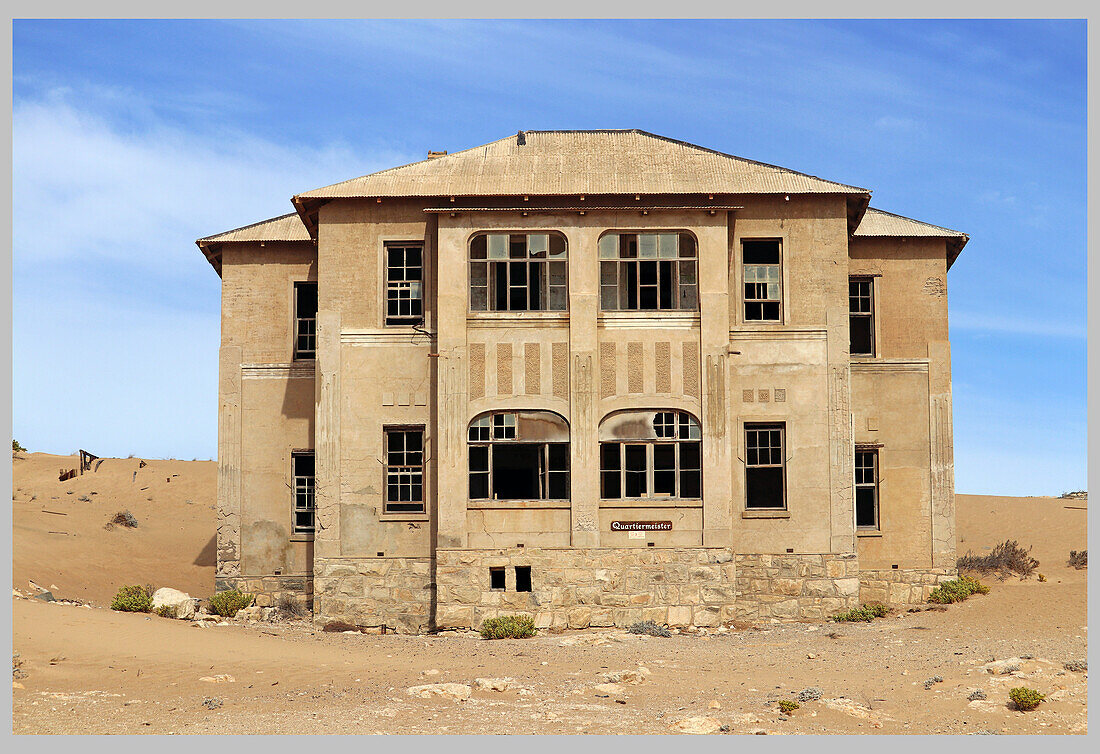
(811, 656)
(221, 678)
(212, 702)
(1003, 667)
(629, 677)
(714, 704)
(17, 685)
(429, 671)
(182, 605)
(933, 681)
(607, 688)
(697, 725)
(124, 518)
(809, 695)
(494, 684)
(1077, 666)
(976, 695)
(45, 597)
(457, 691)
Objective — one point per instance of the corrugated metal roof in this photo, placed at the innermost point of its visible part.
(875, 222)
(581, 162)
(282, 228)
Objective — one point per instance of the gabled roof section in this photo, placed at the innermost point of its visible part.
(877, 223)
(282, 228)
(580, 162)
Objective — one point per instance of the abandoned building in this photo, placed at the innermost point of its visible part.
(595, 377)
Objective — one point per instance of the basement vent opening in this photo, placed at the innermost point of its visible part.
(650, 544)
(523, 578)
(790, 549)
(381, 554)
(894, 566)
(496, 579)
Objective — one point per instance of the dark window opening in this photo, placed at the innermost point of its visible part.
(502, 468)
(861, 316)
(404, 284)
(303, 468)
(665, 468)
(523, 578)
(404, 471)
(647, 272)
(762, 281)
(496, 579)
(764, 466)
(867, 489)
(518, 272)
(305, 320)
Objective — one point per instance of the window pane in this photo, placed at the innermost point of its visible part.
(558, 453)
(760, 252)
(865, 507)
(517, 246)
(498, 245)
(664, 469)
(667, 245)
(689, 456)
(690, 484)
(557, 246)
(559, 485)
(609, 246)
(647, 246)
(609, 456)
(477, 247)
(687, 245)
(635, 470)
(479, 458)
(538, 245)
(609, 298)
(860, 334)
(764, 487)
(479, 486)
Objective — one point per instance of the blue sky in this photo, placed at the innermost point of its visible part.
(132, 139)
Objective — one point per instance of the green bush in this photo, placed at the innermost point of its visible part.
(16, 447)
(865, 613)
(786, 706)
(166, 611)
(508, 627)
(133, 599)
(957, 590)
(1024, 698)
(227, 603)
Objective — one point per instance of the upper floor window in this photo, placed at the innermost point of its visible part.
(404, 470)
(760, 260)
(765, 466)
(404, 283)
(650, 454)
(648, 272)
(518, 272)
(302, 473)
(305, 320)
(519, 455)
(861, 316)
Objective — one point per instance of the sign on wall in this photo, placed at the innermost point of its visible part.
(641, 526)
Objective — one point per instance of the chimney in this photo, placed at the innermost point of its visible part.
(432, 155)
(521, 138)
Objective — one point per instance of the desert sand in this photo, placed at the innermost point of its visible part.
(87, 669)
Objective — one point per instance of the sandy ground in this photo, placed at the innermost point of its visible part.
(90, 670)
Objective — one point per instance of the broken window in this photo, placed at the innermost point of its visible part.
(305, 320)
(302, 484)
(761, 279)
(867, 488)
(496, 578)
(650, 454)
(404, 470)
(648, 271)
(764, 466)
(861, 316)
(518, 272)
(404, 283)
(519, 455)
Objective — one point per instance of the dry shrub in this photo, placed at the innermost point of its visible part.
(1005, 559)
(508, 627)
(290, 607)
(649, 628)
(125, 518)
(1078, 560)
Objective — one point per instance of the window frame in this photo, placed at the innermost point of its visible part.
(308, 492)
(499, 428)
(623, 264)
(411, 469)
(869, 315)
(493, 266)
(388, 286)
(781, 269)
(299, 323)
(680, 439)
(875, 485)
(757, 426)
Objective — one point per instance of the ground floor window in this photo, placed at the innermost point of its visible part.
(867, 488)
(765, 466)
(650, 454)
(519, 455)
(404, 470)
(302, 474)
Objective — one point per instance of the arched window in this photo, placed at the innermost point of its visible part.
(650, 454)
(648, 271)
(518, 272)
(519, 455)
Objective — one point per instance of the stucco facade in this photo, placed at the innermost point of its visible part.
(574, 394)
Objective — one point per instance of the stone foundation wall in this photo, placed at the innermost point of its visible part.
(579, 588)
(910, 586)
(394, 593)
(793, 587)
(268, 589)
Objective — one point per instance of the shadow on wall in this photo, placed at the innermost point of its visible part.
(208, 556)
